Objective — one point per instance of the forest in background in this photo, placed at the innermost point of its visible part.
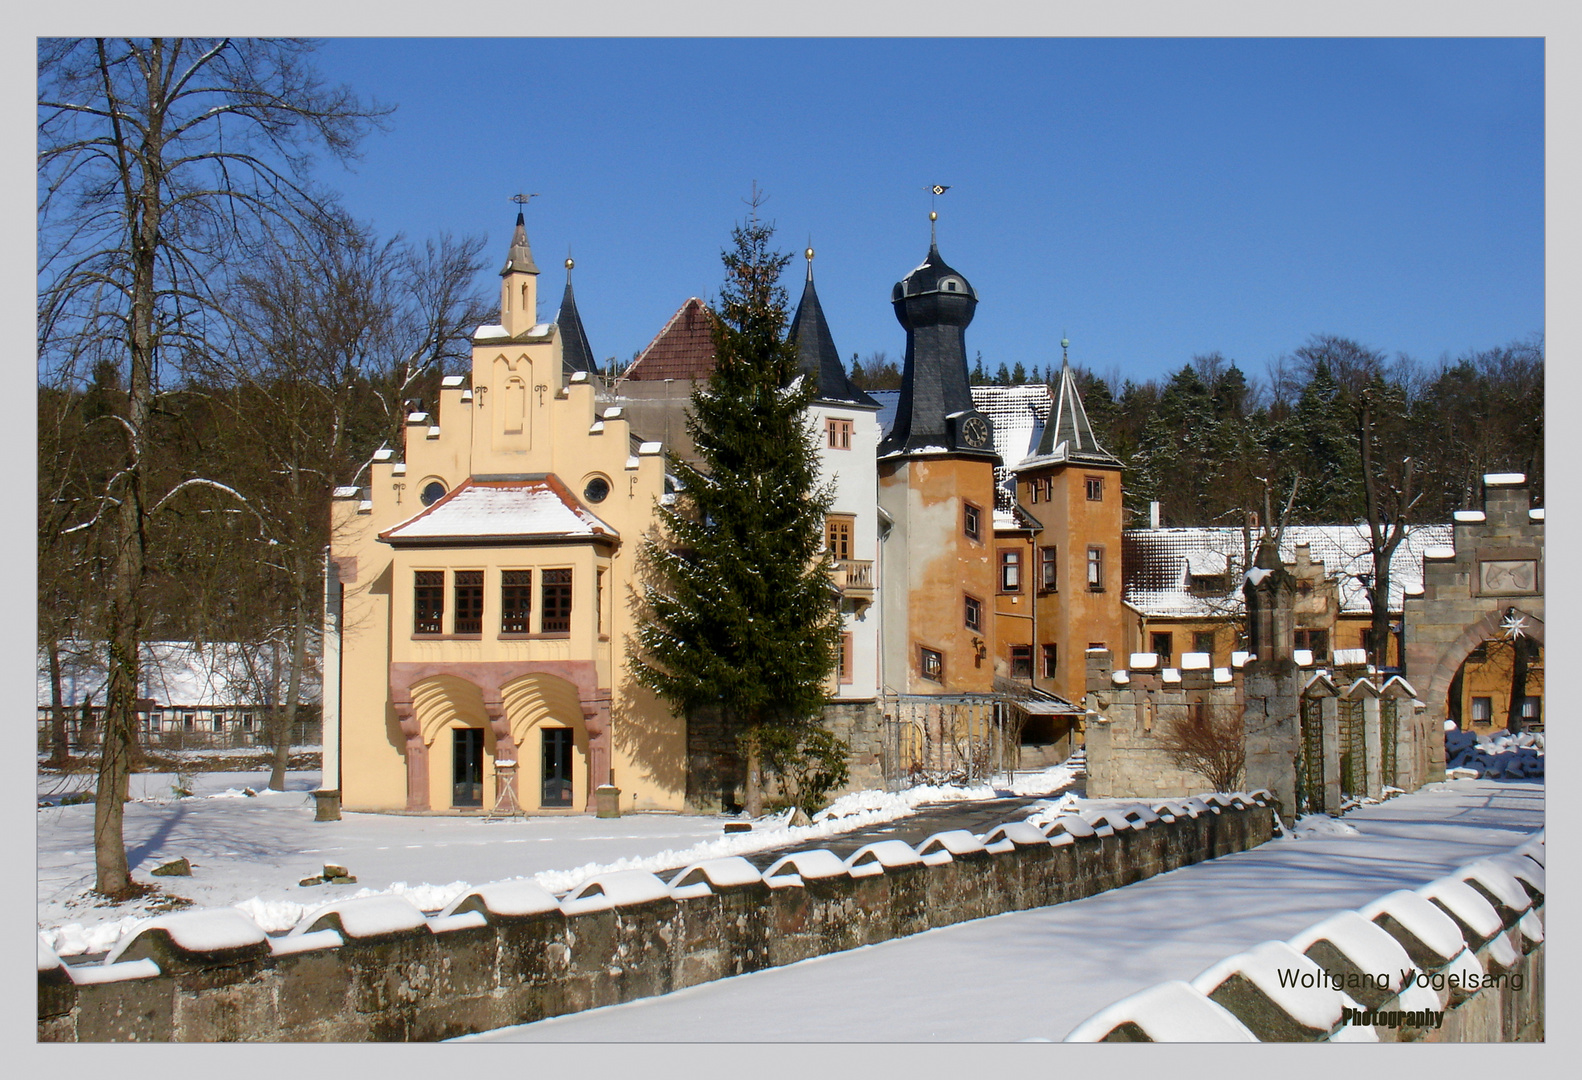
(1208, 441)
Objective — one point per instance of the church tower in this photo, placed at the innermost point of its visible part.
(936, 485)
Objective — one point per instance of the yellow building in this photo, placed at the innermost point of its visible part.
(482, 590)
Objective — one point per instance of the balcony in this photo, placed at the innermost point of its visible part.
(854, 579)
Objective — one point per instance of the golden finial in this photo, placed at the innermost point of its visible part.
(570, 262)
(933, 215)
(809, 254)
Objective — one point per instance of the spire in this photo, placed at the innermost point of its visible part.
(816, 354)
(575, 353)
(520, 257)
(935, 412)
(1068, 435)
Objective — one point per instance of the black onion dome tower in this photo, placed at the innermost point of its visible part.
(935, 413)
(574, 350)
(817, 357)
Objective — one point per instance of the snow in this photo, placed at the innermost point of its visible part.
(879, 856)
(1318, 1007)
(1015, 976)
(733, 870)
(1367, 945)
(1504, 479)
(616, 889)
(217, 930)
(1499, 882)
(365, 917)
(1418, 915)
(525, 508)
(1173, 1011)
(1468, 516)
(1439, 551)
(1196, 661)
(87, 974)
(1142, 660)
(508, 898)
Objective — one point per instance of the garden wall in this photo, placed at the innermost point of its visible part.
(510, 953)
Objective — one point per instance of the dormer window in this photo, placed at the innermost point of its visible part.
(951, 284)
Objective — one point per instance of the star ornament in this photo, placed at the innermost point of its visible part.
(1513, 625)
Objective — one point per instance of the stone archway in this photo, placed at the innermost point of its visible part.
(490, 679)
(1495, 566)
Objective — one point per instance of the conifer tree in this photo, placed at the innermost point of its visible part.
(737, 614)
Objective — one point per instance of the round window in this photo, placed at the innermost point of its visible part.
(597, 490)
(433, 491)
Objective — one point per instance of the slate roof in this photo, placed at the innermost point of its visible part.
(684, 349)
(574, 351)
(518, 509)
(816, 352)
(1069, 436)
(1156, 564)
(520, 257)
(935, 304)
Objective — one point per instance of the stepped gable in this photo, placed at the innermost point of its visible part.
(684, 349)
(817, 356)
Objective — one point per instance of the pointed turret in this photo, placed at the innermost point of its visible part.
(935, 413)
(816, 353)
(520, 258)
(519, 284)
(1068, 436)
(574, 351)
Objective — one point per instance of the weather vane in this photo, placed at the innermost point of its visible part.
(934, 192)
(522, 200)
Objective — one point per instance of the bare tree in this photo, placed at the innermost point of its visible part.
(1208, 740)
(160, 161)
(334, 331)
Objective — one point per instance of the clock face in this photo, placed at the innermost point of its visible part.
(975, 432)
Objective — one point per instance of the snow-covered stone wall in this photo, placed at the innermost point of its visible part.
(378, 969)
(1459, 960)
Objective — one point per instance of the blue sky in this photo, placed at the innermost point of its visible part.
(1150, 198)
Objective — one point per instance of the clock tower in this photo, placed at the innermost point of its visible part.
(936, 486)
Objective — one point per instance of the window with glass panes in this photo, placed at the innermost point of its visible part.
(1021, 661)
(516, 602)
(557, 601)
(1010, 570)
(428, 602)
(1048, 571)
(469, 601)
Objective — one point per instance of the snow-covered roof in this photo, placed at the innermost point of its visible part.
(180, 674)
(538, 507)
(1156, 565)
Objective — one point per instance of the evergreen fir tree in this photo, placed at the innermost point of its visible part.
(1018, 374)
(737, 612)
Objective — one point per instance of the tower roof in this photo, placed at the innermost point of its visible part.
(684, 349)
(520, 258)
(1068, 436)
(575, 352)
(816, 353)
(935, 413)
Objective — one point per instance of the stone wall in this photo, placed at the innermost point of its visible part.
(1496, 563)
(378, 969)
(712, 766)
(1460, 959)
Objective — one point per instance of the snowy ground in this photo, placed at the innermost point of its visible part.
(252, 852)
(1035, 975)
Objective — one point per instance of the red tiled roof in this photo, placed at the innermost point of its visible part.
(684, 349)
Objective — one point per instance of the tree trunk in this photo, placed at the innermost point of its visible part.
(1379, 628)
(288, 711)
(1513, 712)
(754, 792)
(60, 749)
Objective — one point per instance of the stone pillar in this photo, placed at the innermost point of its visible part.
(1330, 717)
(416, 756)
(505, 748)
(1372, 748)
(1272, 730)
(596, 717)
(1270, 595)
